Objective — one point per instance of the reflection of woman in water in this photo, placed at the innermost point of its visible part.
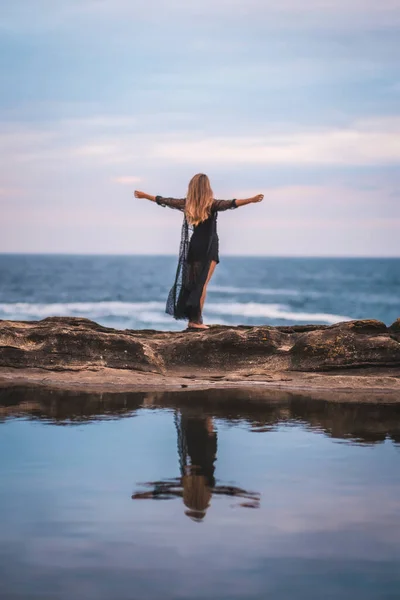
(197, 449)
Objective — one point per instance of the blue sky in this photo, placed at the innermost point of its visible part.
(299, 101)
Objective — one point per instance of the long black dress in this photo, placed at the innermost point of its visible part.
(198, 248)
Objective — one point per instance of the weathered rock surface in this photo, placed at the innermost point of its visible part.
(59, 343)
(365, 348)
(347, 345)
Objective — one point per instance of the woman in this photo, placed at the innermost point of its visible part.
(198, 254)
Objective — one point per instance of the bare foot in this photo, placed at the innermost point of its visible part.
(198, 326)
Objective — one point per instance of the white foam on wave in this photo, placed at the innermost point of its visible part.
(154, 312)
(65, 309)
(146, 312)
(226, 289)
(272, 311)
(150, 316)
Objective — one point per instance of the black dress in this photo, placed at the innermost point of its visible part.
(198, 248)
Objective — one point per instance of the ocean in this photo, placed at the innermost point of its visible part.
(214, 494)
(129, 292)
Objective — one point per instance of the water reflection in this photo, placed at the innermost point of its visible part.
(261, 410)
(197, 451)
(327, 525)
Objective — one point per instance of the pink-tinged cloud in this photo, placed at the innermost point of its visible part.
(6, 192)
(369, 142)
(127, 180)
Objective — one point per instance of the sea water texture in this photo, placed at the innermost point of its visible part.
(129, 292)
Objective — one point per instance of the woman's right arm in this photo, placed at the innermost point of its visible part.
(220, 205)
(144, 195)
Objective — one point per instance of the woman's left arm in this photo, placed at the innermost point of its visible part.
(178, 203)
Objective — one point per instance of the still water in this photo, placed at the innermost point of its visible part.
(212, 495)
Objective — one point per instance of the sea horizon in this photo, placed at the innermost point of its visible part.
(225, 255)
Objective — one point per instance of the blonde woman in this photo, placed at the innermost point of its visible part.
(198, 253)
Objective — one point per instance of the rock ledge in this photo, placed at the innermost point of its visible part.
(75, 346)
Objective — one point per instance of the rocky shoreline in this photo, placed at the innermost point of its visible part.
(75, 353)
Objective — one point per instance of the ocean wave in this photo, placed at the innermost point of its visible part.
(107, 311)
(154, 312)
(226, 289)
(68, 309)
(272, 311)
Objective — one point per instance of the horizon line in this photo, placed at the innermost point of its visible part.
(174, 255)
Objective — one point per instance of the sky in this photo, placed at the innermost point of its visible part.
(298, 100)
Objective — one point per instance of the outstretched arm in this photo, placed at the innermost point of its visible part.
(220, 205)
(245, 201)
(178, 203)
(144, 195)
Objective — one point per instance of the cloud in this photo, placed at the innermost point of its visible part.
(96, 150)
(369, 142)
(329, 198)
(267, 14)
(6, 192)
(127, 180)
(297, 98)
(384, 9)
(286, 12)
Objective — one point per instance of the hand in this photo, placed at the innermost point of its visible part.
(139, 194)
(258, 198)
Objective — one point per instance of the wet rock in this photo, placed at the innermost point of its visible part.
(394, 330)
(225, 348)
(352, 344)
(60, 343)
(65, 343)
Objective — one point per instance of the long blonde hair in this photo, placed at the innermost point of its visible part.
(199, 199)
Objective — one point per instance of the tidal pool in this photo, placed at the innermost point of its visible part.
(220, 494)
